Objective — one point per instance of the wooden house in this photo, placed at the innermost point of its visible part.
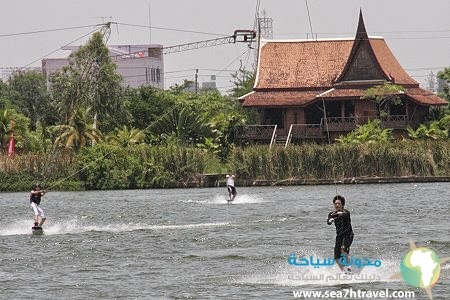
(311, 90)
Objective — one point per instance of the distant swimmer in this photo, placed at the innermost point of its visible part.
(35, 201)
(344, 231)
(230, 186)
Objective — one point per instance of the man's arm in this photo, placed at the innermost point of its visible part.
(330, 218)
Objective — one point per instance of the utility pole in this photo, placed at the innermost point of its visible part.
(265, 30)
(196, 80)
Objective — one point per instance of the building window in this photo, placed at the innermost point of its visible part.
(158, 75)
(153, 75)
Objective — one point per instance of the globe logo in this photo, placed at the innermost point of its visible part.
(420, 267)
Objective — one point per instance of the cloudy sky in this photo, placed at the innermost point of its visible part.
(418, 32)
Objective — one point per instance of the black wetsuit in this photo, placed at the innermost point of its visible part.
(344, 231)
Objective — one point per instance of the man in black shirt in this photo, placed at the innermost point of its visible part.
(344, 231)
(35, 200)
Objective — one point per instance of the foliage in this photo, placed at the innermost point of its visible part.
(445, 76)
(243, 81)
(145, 105)
(11, 121)
(5, 101)
(78, 132)
(431, 131)
(18, 174)
(90, 80)
(206, 119)
(28, 92)
(126, 137)
(138, 166)
(384, 95)
(182, 88)
(311, 162)
(435, 130)
(367, 133)
(184, 125)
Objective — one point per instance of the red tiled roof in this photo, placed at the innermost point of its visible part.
(285, 98)
(389, 63)
(337, 93)
(422, 96)
(312, 64)
(302, 98)
(295, 64)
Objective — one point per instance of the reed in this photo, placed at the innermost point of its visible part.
(336, 161)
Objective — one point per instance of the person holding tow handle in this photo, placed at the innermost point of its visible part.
(344, 232)
(35, 201)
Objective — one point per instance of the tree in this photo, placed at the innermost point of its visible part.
(90, 80)
(4, 95)
(445, 77)
(126, 137)
(146, 104)
(29, 95)
(384, 95)
(181, 88)
(243, 81)
(79, 131)
(182, 125)
(12, 121)
(431, 80)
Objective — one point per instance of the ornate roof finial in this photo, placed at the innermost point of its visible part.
(361, 33)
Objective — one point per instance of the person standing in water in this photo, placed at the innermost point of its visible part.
(344, 232)
(230, 186)
(35, 201)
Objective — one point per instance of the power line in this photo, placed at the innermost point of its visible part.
(48, 30)
(83, 36)
(172, 29)
(372, 32)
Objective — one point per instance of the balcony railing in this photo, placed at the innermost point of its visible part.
(349, 123)
(298, 132)
(304, 131)
(339, 124)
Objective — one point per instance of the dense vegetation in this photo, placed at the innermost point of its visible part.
(88, 132)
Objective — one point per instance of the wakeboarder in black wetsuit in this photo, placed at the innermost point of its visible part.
(344, 231)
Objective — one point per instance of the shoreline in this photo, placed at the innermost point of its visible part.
(217, 180)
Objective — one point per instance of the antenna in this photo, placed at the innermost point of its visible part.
(265, 25)
(149, 23)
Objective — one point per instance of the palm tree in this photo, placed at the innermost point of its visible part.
(184, 126)
(5, 122)
(126, 137)
(79, 131)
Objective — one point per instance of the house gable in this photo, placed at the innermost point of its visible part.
(362, 63)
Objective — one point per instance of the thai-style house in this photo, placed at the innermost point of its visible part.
(312, 90)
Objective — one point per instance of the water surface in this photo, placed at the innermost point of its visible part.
(191, 244)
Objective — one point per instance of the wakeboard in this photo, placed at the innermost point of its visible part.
(37, 230)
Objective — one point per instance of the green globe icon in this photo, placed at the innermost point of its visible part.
(420, 267)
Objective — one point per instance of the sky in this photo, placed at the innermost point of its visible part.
(417, 32)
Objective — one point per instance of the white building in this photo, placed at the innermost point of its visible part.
(138, 64)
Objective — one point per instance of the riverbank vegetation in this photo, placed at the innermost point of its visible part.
(87, 132)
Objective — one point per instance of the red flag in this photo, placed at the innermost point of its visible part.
(11, 147)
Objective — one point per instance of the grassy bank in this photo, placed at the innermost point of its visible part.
(336, 161)
(138, 167)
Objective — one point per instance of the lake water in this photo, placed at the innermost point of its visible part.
(191, 244)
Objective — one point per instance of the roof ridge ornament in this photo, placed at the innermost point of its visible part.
(361, 32)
